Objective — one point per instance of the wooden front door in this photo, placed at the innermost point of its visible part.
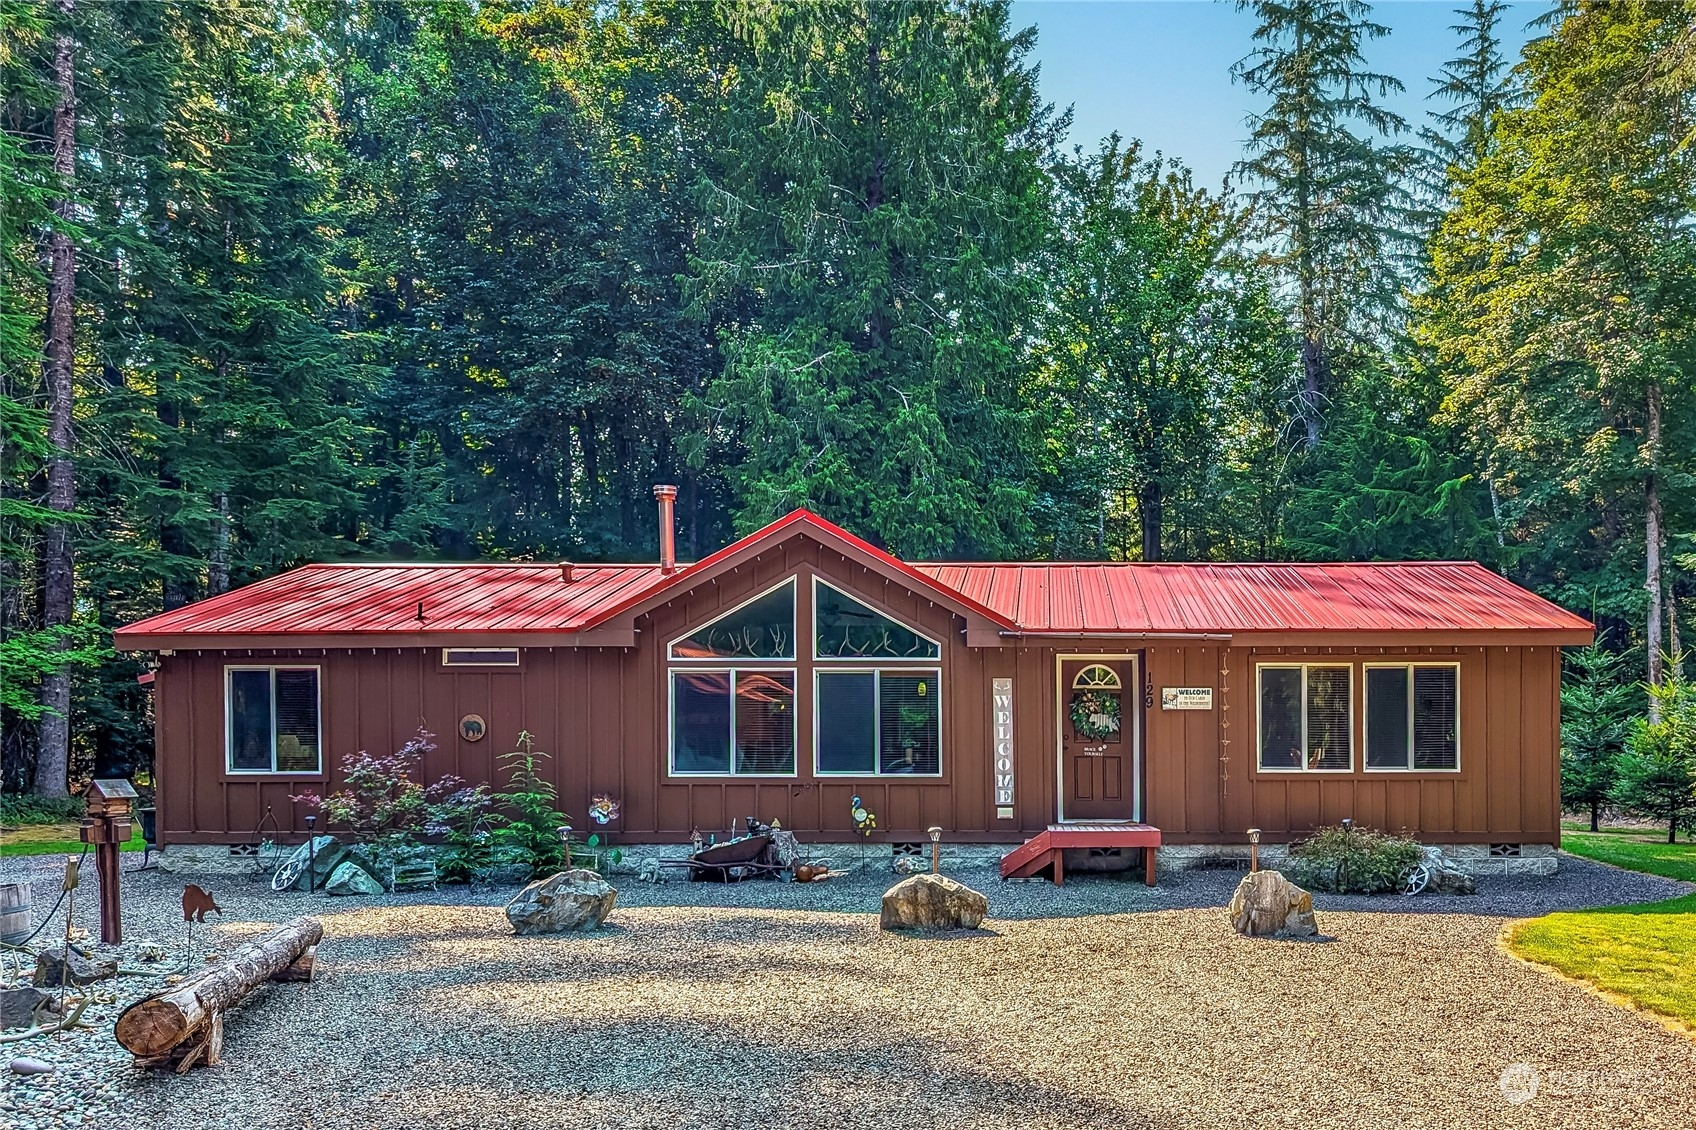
(1098, 739)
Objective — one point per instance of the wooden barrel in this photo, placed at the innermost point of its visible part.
(14, 913)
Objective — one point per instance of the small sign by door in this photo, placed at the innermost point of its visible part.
(1186, 698)
(1001, 727)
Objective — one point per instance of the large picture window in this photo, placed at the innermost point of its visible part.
(1413, 716)
(886, 721)
(739, 722)
(1305, 717)
(272, 720)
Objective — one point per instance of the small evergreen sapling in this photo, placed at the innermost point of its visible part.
(1657, 773)
(528, 825)
(1595, 703)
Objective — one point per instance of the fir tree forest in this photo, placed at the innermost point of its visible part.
(457, 279)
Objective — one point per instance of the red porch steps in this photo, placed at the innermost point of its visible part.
(1046, 848)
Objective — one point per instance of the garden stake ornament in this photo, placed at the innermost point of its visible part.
(70, 889)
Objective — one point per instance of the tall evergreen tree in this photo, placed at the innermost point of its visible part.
(877, 202)
(1476, 84)
(1330, 194)
(1562, 305)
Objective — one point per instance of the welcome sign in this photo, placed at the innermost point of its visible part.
(1001, 727)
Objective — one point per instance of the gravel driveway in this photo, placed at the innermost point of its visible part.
(766, 1005)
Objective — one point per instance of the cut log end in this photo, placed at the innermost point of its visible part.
(152, 1027)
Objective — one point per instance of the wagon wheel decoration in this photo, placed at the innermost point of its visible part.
(1415, 878)
(288, 874)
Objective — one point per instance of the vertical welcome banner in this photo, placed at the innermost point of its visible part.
(1001, 726)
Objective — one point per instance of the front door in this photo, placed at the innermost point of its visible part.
(1098, 739)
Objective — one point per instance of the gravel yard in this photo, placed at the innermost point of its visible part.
(772, 1005)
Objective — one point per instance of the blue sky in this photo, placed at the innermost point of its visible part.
(1160, 70)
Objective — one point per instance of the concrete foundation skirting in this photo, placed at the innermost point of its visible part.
(1475, 859)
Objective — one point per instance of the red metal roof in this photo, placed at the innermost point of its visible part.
(1196, 597)
(381, 600)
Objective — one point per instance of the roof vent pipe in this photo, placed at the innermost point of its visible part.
(565, 573)
(666, 496)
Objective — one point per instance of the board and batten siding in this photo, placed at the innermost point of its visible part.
(1506, 791)
(601, 715)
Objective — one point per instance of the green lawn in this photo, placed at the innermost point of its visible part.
(1644, 953)
(51, 839)
(1637, 849)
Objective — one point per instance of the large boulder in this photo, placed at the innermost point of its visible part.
(320, 859)
(570, 900)
(349, 878)
(932, 902)
(58, 966)
(1446, 876)
(1268, 905)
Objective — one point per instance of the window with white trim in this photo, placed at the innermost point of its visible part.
(733, 722)
(1413, 716)
(877, 692)
(272, 720)
(880, 722)
(732, 708)
(1306, 717)
(479, 657)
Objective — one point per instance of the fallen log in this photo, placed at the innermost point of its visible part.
(186, 1022)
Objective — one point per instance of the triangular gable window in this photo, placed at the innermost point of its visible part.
(844, 628)
(763, 628)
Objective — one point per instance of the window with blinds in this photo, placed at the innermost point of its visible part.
(739, 722)
(876, 723)
(272, 720)
(1413, 717)
(1306, 717)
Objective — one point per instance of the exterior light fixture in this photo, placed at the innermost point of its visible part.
(311, 854)
(1254, 849)
(935, 834)
(565, 838)
(1348, 824)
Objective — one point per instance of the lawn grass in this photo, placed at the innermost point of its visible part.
(1645, 953)
(52, 839)
(1636, 849)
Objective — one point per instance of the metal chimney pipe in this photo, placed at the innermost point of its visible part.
(667, 496)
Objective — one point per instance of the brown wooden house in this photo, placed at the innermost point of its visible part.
(802, 667)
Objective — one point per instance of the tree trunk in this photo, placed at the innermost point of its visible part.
(1595, 815)
(1652, 543)
(52, 763)
(218, 568)
(1151, 514)
(163, 1023)
(1312, 371)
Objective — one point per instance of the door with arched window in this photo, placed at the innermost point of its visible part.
(1098, 739)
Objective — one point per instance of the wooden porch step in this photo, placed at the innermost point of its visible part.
(1046, 848)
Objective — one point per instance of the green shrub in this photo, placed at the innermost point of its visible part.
(1359, 861)
(22, 808)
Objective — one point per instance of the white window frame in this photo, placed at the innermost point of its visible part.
(229, 719)
(1260, 731)
(516, 653)
(745, 660)
(867, 660)
(1407, 666)
(933, 669)
(773, 668)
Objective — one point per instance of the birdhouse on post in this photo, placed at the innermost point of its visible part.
(106, 825)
